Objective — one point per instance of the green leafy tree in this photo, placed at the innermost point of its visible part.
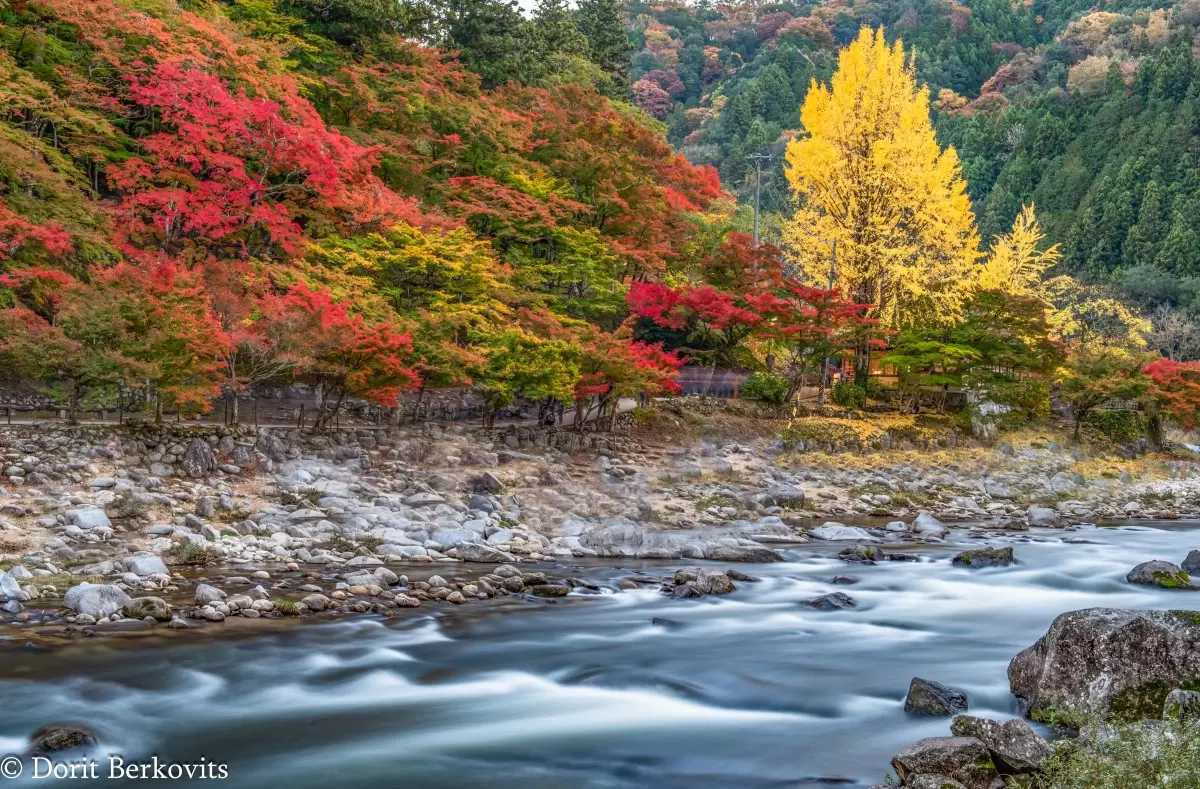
(1096, 374)
(603, 24)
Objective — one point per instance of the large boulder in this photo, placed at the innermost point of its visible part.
(144, 564)
(1014, 746)
(198, 458)
(1107, 662)
(1041, 516)
(206, 594)
(985, 557)
(964, 759)
(478, 552)
(1159, 573)
(839, 531)
(928, 525)
(9, 588)
(743, 551)
(95, 599)
(88, 518)
(703, 581)
(926, 697)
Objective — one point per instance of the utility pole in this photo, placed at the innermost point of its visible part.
(758, 159)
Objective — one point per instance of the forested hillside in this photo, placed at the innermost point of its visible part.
(198, 197)
(1090, 114)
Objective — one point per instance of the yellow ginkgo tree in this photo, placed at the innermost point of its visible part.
(1016, 262)
(867, 173)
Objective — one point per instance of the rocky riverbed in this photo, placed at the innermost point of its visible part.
(181, 526)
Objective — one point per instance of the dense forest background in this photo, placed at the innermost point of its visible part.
(1086, 109)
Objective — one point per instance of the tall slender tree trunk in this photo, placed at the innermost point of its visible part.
(862, 363)
(73, 404)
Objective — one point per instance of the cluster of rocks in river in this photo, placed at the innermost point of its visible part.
(1092, 666)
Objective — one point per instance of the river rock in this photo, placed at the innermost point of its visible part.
(10, 589)
(1041, 516)
(95, 599)
(928, 525)
(1108, 662)
(316, 602)
(839, 531)
(834, 601)
(198, 458)
(1183, 705)
(964, 758)
(740, 552)
(206, 594)
(144, 564)
(926, 697)
(88, 518)
(549, 590)
(985, 557)
(1014, 746)
(700, 582)
(478, 552)
(58, 737)
(1159, 573)
(1191, 565)
(142, 607)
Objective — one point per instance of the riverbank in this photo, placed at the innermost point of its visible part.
(303, 524)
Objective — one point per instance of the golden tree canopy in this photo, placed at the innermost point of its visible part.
(867, 172)
(1016, 264)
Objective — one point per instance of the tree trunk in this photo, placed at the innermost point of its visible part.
(712, 373)
(862, 363)
(73, 405)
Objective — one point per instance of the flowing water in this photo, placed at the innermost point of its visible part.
(746, 691)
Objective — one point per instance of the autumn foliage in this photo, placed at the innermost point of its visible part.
(218, 198)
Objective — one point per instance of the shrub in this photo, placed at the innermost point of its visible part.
(1148, 754)
(286, 607)
(848, 395)
(1118, 426)
(190, 553)
(1029, 398)
(767, 387)
(876, 390)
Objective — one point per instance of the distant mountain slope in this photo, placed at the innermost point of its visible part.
(1090, 113)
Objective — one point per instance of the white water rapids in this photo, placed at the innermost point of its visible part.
(752, 690)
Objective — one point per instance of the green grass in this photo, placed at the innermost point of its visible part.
(286, 607)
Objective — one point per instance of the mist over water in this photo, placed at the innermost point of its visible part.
(750, 690)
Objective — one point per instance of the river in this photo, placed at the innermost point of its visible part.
(749, 691)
